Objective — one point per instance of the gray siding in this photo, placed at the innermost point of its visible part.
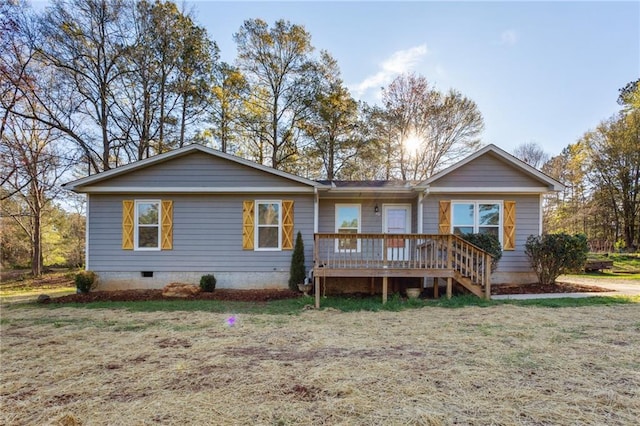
(527, 223)
(487, 171)
(371, 223)
(198, 169)
(207, 236)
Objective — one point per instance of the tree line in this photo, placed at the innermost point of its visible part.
(601, 174)
(89, 85)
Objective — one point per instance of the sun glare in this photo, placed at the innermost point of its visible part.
(412, 143)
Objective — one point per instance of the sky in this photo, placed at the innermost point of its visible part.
(543, 72)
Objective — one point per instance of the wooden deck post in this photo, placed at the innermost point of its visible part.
(487, 276)
(316, 280)
(436, 289)
(384, 289)
(449, 287)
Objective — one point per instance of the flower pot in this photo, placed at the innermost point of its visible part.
(413, 293)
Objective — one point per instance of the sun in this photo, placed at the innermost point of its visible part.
(412, 143)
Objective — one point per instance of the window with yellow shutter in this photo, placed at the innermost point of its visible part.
(484, 217)
(147, 224)
(267, 225)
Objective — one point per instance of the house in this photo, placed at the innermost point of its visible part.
(194, 211)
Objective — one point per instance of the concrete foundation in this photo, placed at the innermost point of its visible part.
(231, 280)
(513, 278)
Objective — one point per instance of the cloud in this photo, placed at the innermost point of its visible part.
(509, 38)
(399, 62)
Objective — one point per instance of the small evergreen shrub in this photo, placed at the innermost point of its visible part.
(208, 283)
(297, 271)
(552, 255)
(84, 281)
(488, 243)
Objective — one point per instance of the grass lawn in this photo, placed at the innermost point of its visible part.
(622, 262)
(19, 285)
(496, 363)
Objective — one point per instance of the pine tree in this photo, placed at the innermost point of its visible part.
(297, 264)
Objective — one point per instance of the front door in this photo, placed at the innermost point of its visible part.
(397, 220)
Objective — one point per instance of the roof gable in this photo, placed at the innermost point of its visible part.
(492, 170)
(194, 168)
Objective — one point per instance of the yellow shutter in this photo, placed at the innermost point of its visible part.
(444, 220)
(167, 225)
(127, 224)
(287, 225)
(247, 225)
(509, 226)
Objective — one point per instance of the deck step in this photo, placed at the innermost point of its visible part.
(469, 285)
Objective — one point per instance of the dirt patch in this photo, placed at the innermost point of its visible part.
(278, 294)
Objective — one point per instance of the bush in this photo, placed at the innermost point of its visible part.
(84, 281)
(208, 283)
(488, 243)
(552, 255)
(297, 272)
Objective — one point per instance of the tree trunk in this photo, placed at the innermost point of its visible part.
(36, 245)
(183, 120)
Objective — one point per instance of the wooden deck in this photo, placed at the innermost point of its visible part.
(402, 255)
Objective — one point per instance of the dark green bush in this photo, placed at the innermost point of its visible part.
(488, 243)
(208, 283)
(552, 255)
(297, 271)
(84, 281)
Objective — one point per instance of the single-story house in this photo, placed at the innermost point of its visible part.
(195, 211)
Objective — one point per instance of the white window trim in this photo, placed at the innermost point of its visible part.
(136, 227)
(257, 225)
(359, 230)
(476, 215)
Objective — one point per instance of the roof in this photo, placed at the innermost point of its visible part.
(374, 184)
(80, 184)
(551, 183)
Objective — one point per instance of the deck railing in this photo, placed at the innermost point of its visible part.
(429, 252)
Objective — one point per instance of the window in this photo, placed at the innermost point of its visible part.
(477, 217)
(147, 225)
(269, 225)
(348, 222)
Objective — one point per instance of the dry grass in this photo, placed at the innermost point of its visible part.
(432, 366)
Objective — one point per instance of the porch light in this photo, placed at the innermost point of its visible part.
(376, 209)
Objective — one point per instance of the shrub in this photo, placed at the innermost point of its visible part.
(551, 255)
(84, 281)
(488, 243)
(297, 272)
(208, 283)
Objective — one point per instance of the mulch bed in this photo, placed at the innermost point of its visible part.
(535, 288)
(156, 294)
(277, 294)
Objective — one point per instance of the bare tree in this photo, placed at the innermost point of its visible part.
(531, 153)
(84, 42)
(28, 148)
(430, 129)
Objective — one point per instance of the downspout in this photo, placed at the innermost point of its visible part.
(420, 211)
(541, 213)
